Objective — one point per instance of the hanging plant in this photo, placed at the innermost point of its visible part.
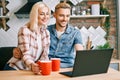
(106, 21)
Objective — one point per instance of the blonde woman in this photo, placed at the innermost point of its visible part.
(33, 40)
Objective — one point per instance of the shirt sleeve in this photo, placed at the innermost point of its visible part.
(78, 37)
(23, 44)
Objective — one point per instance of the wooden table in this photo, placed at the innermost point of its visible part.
(28, 75)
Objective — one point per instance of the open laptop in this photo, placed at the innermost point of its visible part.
(89, 62)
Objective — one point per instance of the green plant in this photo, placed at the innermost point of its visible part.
(106, 21)
(105, 46)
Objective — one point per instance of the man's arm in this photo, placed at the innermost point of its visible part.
(78, 47)
(17, 53)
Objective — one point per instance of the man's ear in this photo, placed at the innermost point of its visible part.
(54, 14)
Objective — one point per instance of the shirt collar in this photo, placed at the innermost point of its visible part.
(68, 29)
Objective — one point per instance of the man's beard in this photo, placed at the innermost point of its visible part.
(60, 25)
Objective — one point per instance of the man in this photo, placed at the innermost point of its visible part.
(64, 38)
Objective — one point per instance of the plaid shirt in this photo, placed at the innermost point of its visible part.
(27, 42)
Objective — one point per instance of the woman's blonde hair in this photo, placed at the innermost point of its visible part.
(34, 15)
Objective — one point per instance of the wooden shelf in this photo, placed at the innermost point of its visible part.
(88, 16)
(4, 16)
(85, 0)
(92, 0)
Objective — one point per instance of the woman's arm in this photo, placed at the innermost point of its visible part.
(24, 46)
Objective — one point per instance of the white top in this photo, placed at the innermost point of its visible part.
(59, 34)
(39, 41)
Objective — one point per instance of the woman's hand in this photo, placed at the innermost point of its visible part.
(35, 68)
(17, 53)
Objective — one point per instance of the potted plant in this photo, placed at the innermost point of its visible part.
(105, 46)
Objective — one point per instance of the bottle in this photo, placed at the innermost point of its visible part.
(73, 11)
(88, 12)
(103, 10)
(84, 12)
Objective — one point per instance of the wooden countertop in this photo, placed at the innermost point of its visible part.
(28, 75)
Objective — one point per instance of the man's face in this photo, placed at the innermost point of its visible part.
(62, 17)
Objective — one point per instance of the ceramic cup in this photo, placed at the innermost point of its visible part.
(55, 64)
(45, 67)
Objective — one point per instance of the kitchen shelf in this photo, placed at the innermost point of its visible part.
(86, 0)
(4, 16)
(88, 16)
(93, 0)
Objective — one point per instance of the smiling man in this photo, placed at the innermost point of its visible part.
(65, 39)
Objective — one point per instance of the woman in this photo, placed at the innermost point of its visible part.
(33, 40)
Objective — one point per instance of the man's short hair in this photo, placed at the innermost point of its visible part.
(62, 5)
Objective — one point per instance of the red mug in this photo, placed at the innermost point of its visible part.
(55, 64)
(45, 67)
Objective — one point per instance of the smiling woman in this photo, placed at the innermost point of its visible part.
(33, 40)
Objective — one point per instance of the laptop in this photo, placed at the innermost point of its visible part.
(88, 62)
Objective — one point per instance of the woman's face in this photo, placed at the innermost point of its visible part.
(43, 16)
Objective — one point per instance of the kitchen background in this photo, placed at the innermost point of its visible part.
(95, 24)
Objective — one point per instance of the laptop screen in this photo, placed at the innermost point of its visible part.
(89, 62)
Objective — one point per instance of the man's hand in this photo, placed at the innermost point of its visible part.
(17, 53)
